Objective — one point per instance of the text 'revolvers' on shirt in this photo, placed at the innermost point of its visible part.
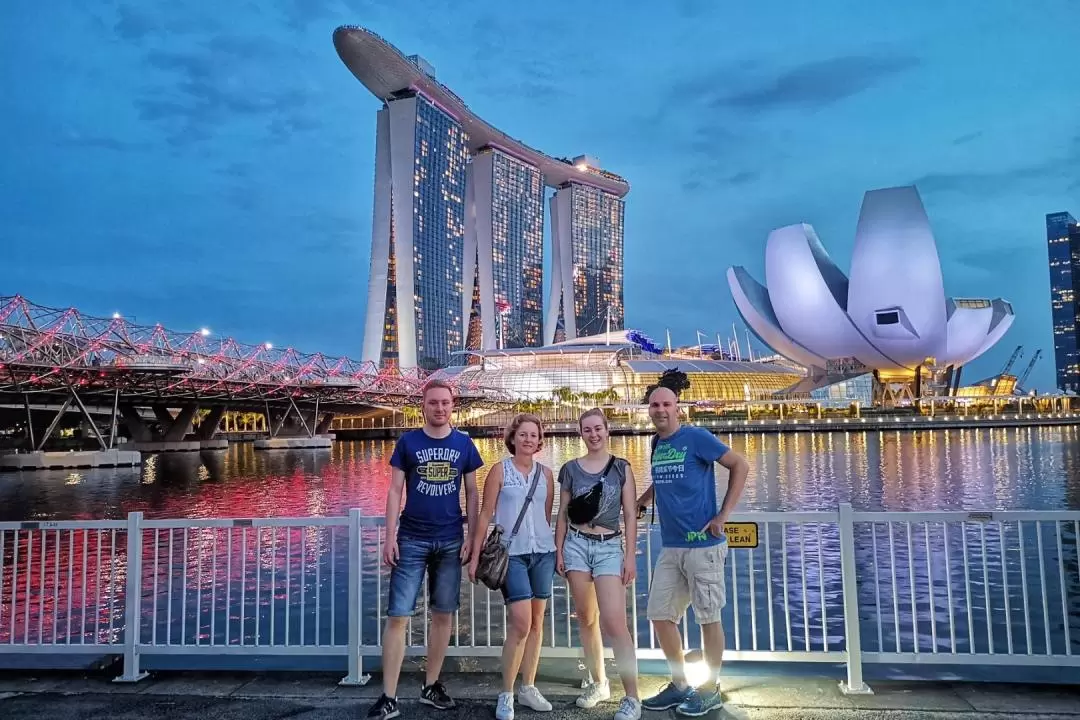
(685, 485)
(434, 473)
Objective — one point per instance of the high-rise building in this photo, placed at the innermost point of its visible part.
(504, 232)
(587, 262)
(1063, 251)
(418, 234)
(457, 236)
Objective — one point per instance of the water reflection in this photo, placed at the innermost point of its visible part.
(1001, 468)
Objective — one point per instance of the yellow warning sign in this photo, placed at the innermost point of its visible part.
(741, 534)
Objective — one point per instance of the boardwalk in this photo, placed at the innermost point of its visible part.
(269, 697)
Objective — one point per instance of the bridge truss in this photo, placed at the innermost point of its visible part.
(49, 350)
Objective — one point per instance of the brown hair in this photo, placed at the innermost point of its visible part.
(435, 385)
(595, 412)
(516, 423)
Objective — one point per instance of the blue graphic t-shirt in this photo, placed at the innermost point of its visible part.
(434, 471)
(685, 485)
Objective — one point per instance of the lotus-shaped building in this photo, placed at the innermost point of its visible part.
(890, 314)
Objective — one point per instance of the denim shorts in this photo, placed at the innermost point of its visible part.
(529, 577)
(596, 557)
(441, 559)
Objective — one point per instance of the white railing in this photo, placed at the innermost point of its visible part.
(999, 588)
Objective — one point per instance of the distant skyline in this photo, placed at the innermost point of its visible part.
(201, 166)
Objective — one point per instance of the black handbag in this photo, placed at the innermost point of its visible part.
(582, 509)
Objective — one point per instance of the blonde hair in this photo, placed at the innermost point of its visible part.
(595, 412)
(435, 385)
(516, 423)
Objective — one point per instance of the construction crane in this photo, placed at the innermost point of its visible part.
(1027, 371)
(1017, 354)
(1000, 383)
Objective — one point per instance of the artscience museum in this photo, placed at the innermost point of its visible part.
(889, 315)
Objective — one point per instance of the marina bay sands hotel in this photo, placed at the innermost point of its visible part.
(457, 247)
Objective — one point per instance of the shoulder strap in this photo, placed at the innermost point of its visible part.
(607, 468)
(652, 445)
(537, 472)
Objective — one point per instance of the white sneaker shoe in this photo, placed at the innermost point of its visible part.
(629, 709)
(594, 694)
(530, 697)
(505, 709)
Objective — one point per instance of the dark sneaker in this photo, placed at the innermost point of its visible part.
(436, 696)
(699, 704)
(384, 708)
(669, 697)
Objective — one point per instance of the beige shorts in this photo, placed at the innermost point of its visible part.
(689, 576)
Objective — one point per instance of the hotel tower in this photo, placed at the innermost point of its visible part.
(457, 247)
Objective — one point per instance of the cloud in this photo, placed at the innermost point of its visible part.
(226, 77)
(818, 83)
(100, 142)
(1052, 171)
(968, 137)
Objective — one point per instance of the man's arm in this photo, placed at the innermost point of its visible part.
(645, 499)
(393, 513)
(738, 468)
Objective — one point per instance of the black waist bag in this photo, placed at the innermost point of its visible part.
(582, 509)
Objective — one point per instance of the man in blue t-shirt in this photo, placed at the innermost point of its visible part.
(430, 466)
(690, 569)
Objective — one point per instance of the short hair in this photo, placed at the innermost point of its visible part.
(595, 412)
(435, 385)
(516, 423)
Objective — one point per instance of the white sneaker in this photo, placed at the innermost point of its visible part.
(530, 697)
(629, 709)
(595, 693)
(505, 709)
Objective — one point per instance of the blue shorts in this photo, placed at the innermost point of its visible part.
(441, 559)
(596, 557)
(529, 577)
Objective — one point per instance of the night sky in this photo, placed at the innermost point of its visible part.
(201, 164)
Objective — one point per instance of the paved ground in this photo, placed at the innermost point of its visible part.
(221, 696)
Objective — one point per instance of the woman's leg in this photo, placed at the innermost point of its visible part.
(581, 587)
(530, 659)
(611, 599)
(519, 627)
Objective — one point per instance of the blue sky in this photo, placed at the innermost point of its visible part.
(201, 166)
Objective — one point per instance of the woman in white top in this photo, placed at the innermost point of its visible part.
(532, 558)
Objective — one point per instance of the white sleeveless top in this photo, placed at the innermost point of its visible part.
(535, 534)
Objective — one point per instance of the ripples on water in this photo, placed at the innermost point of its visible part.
(1025, 468)
(785, 594)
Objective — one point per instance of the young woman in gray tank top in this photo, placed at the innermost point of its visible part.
(591, 557)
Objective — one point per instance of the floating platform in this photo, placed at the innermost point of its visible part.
(319, 442)
(73, 459)
(181, 446)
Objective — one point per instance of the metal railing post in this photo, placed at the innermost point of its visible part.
(132, 598)
(356, 663)
(854, 684)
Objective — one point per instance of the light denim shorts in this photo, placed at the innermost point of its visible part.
(597, 557)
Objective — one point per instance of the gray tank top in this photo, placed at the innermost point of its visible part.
(574, 478)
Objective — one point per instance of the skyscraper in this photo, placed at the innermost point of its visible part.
(418, 232)
(587, 262)
(504, 233)
(1063, 250)
(457, 235)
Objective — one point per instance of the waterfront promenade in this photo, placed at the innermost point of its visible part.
(192, 696)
